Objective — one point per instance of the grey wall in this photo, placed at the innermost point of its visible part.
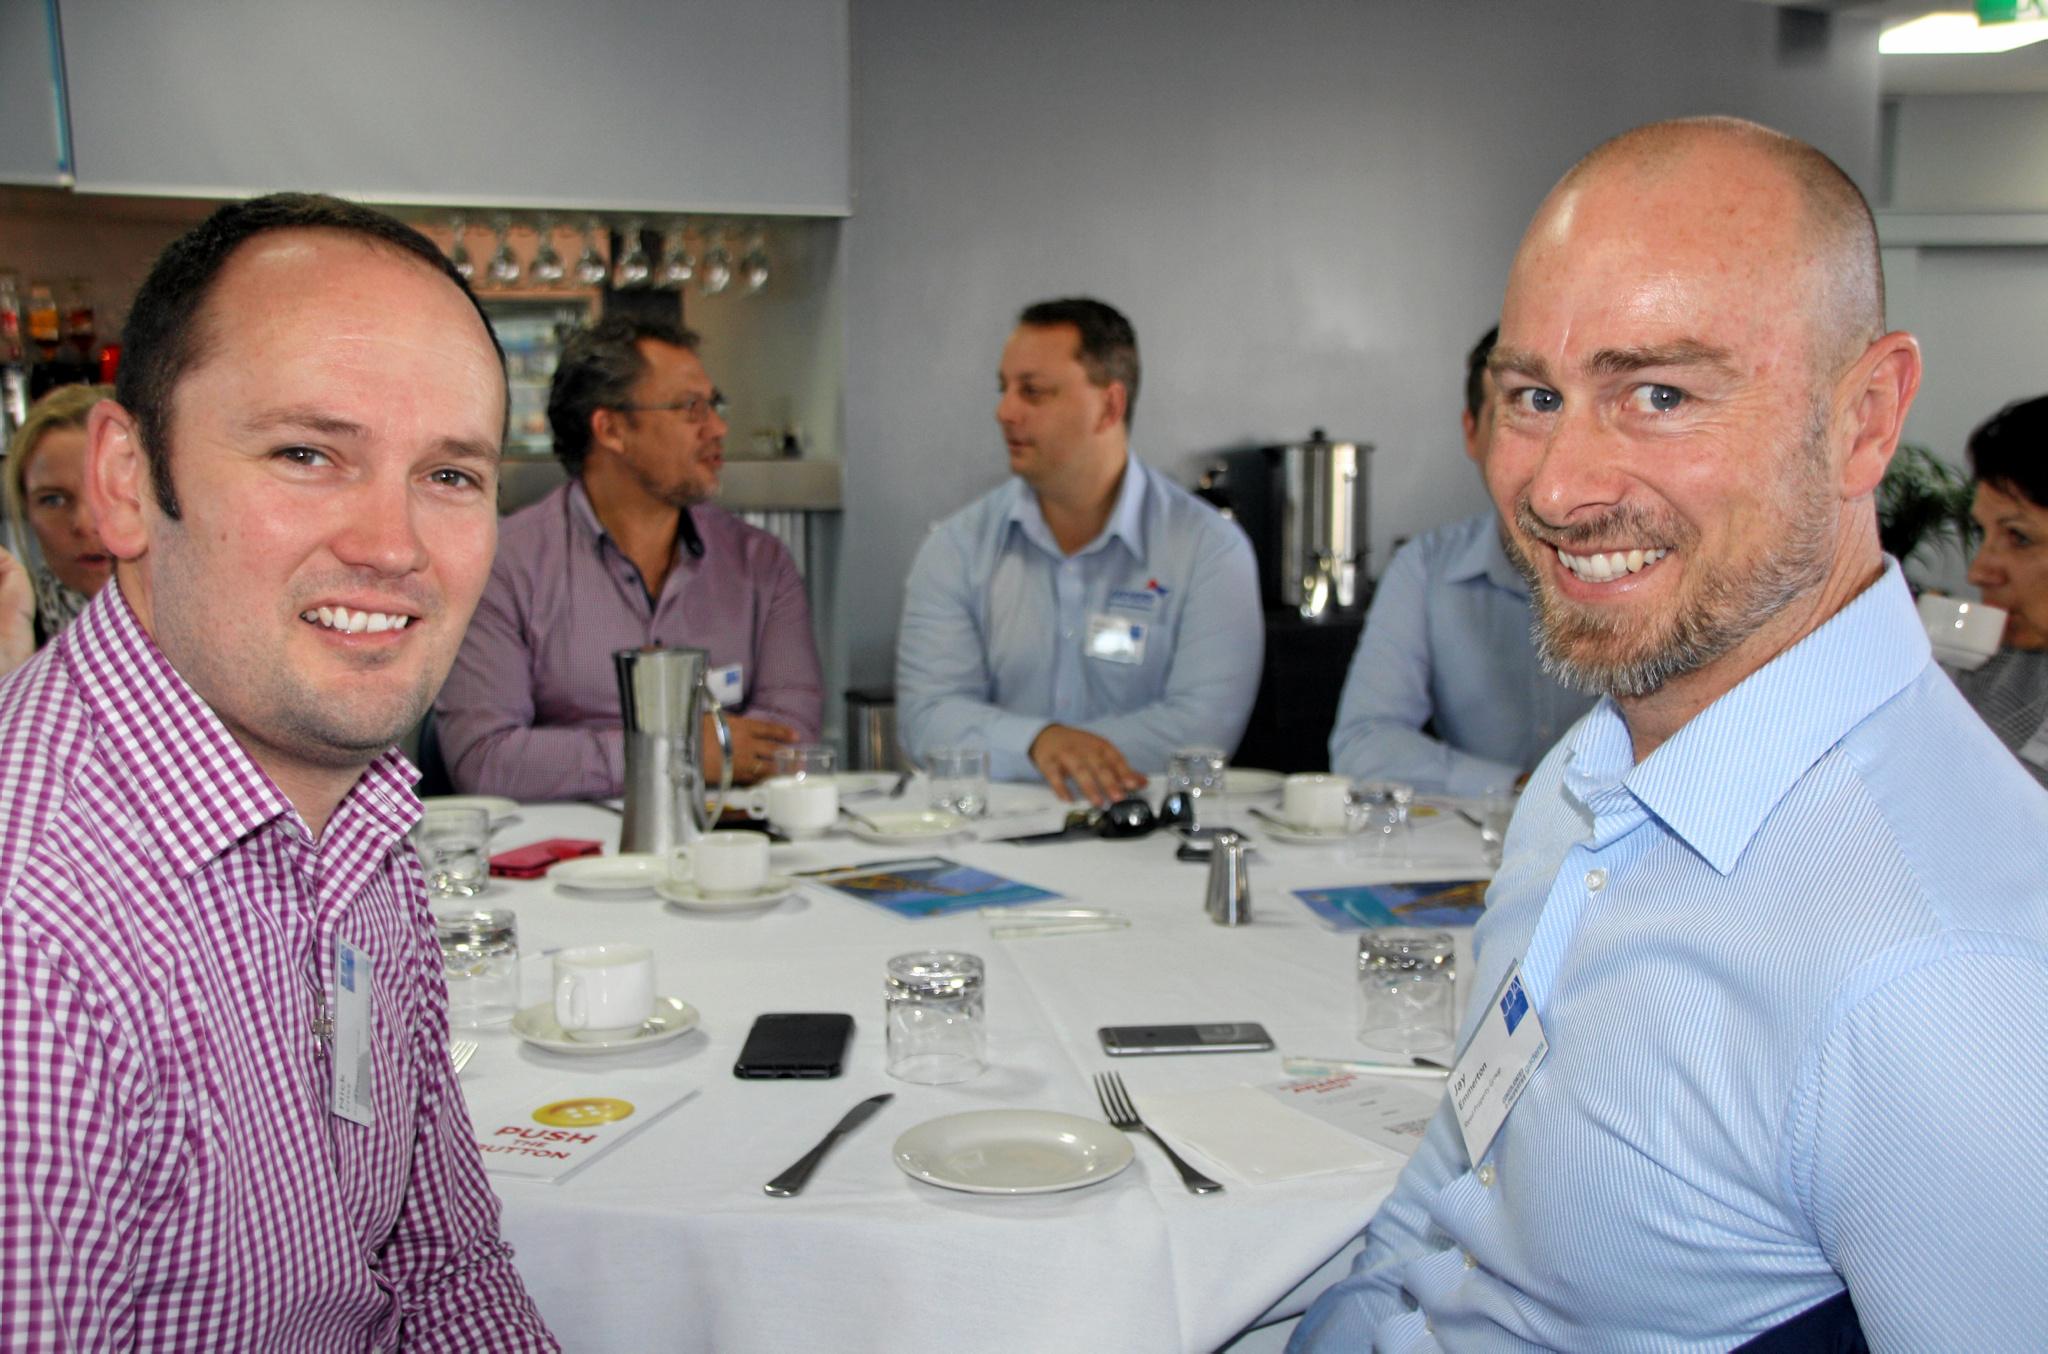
(1307, 207)
(1970, 153)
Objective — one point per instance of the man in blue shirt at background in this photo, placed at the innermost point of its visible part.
(1089, 616)
(1776, 904)
(1446, 691)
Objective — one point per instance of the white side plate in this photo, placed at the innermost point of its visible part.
(1012, 1152)
(633, 873)
(671, 1018)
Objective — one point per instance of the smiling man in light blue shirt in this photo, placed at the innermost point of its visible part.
(1778, 900)
(1088, 617)
(1446, 691)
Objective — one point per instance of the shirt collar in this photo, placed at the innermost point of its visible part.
(203, 791)
(1126, 519)
(1483, 557)
(1717, 779)
(585, 516)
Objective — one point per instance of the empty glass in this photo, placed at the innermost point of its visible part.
(714, 274)
(452, 843)
(546, 269)
(932, 1004)
(480, 958)
(590, 270)
(678, 265)
(1493, 813)
(634, 267)
(458, 248)
(754, 263)
(1407, 991)
(959, 780)
(503, 270)
(1383, 809)
(1193, 774)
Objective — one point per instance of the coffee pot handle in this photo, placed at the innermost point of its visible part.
(724, 732)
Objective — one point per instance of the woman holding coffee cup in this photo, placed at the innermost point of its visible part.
(2009, 464)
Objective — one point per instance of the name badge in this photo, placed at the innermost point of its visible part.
(1133, 599)
(1504, 1053)
(728, 683)
(353, 1098)
(1115, 639)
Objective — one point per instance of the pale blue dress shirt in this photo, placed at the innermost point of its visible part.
(1793, 969)
(1447, 641)
(997, 620)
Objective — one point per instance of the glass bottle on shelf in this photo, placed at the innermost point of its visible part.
(79, 328)
(13, 359)
(43, 328)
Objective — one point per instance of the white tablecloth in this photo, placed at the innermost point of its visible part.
(668, 1241)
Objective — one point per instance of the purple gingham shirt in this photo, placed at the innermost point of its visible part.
(171, 1174)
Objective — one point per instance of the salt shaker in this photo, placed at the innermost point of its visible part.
(1229, 898)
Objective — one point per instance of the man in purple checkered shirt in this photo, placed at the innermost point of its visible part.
(211, 1142)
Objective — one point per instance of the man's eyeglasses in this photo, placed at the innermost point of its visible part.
(693, 408)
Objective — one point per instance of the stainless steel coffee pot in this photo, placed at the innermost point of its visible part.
(663, 698)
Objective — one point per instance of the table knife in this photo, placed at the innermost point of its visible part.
(791, 1181)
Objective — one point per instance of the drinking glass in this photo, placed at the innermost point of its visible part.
(754, 263)
(959, 780)
(1407, 991)
(714, 274)
(1193, 773)
(591, 270)
(806, 759)
(932, 1005)
(458, 248)
(452, 844)
(1383, 809)
(547, 268)
(503, 270)
(480, 959)
(678, 265)
(633, 268)
(1493, 813)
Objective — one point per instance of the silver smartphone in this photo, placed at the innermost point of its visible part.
(1123, 1041)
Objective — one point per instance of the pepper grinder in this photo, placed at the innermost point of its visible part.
(1229, 899)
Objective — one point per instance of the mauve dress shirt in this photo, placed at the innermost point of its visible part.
(531, 708)
(171, 1173)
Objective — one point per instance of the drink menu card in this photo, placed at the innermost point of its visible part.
(1392, 1114)
(929, 886)
(551, 1133)
(1440, 902)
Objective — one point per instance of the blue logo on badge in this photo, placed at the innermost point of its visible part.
(1513, 1005)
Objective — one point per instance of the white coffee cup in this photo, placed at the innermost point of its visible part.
(1316, 799)
(1964, 634)
(796, 806)
(603, 991)
(730, 862)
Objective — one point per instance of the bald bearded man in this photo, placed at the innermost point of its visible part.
(1754, 1047)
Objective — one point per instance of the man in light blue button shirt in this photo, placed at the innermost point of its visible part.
(1088, 617)
(1447, 646)
(1778, 900)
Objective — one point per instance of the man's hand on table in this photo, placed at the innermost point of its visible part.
(753, 747)
(1077, 764)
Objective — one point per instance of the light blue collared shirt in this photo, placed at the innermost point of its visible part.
(1793, 969)
(997, 619)
(1447, 642)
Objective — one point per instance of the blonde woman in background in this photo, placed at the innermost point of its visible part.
(61, 563)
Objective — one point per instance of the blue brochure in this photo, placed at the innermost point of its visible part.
(929, 886)
(1439, 902)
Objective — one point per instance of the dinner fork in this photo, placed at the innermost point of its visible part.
(1121, 1113)
(460, 1051)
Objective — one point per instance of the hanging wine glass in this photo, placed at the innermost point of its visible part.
(633, 268)
(678, 265)
(547, 268)
(714, 274)
(458, 252)
(590, 265)
(754, 263)
(503, 269)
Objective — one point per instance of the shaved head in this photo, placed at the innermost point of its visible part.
(1844, 277)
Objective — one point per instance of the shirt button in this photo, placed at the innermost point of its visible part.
(1470, 1263)
(1596, 880)
(1486, 1175)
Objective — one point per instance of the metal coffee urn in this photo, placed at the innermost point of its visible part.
(1307, 508)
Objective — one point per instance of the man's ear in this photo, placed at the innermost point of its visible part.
(1116, 402)
(117, 480)
(607, 429)
(1881, 388)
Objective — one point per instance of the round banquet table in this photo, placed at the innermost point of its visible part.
(667, 1241)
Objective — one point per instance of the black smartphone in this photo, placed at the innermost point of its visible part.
(795, 1044)
(1123, 1041)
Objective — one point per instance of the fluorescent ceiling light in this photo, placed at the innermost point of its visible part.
(1933, 34)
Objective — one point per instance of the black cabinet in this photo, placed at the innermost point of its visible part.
(1298, 691)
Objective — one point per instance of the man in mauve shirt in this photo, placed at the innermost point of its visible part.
(232, 1122)
(629, 553)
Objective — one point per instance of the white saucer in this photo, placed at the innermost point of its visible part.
(497, 806)
(895, 826)
(1012, 1152)
(1248, 781)
(864, 783)
(685, 894)
(671, 1018)
(611, 876)
(1297, 835)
